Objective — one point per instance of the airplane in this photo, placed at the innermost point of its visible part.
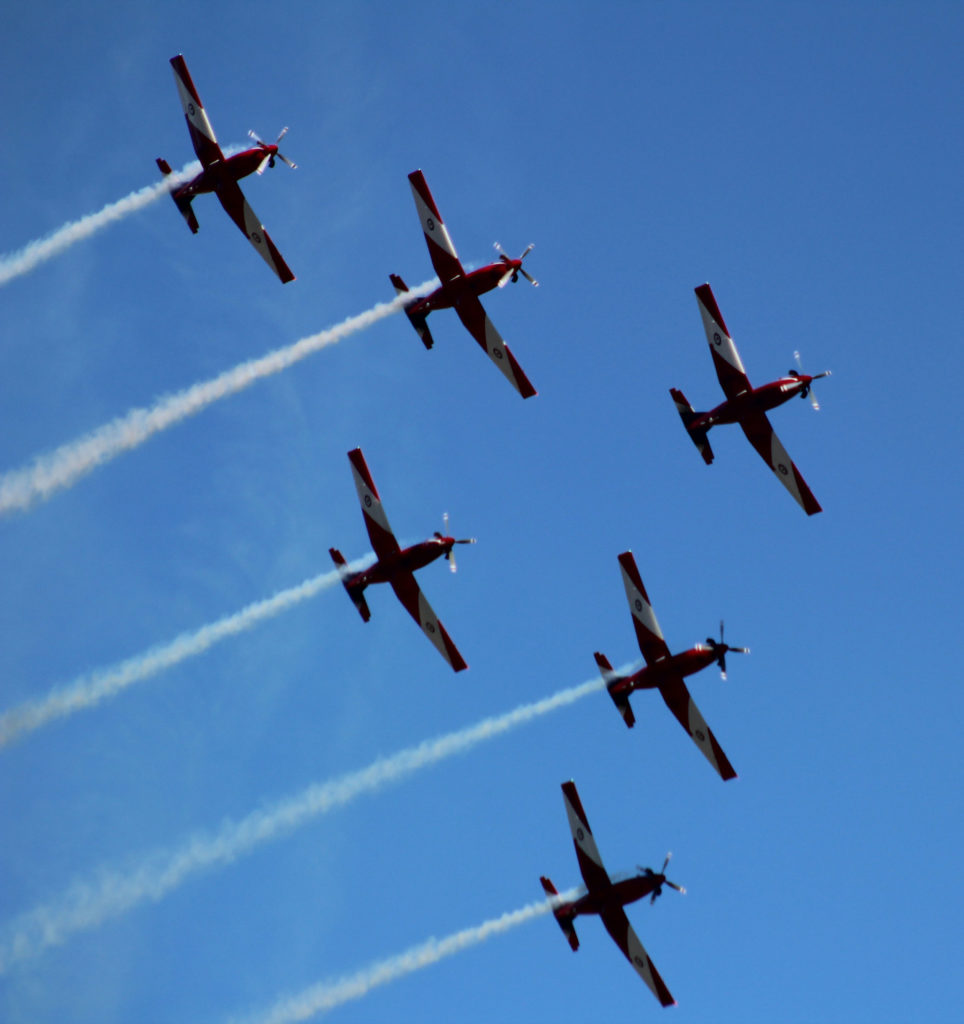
(665, 671)
(747, 405)
(607, 898)
(396, 565)
(220, 174)
(460, 290)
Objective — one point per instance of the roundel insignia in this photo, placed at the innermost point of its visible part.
(639, 962)
(255, 237)
(497, 352)
(638, 605)
(430, 224)
(368, 501)
(783, 469)
(717, 340)
(700, 735)
(580, 835)
(430, 626)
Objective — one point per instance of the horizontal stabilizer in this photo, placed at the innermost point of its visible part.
(187, 212)
(355, 592)
(417, 320)
(687, 414)
(563, 914)
(620, 697)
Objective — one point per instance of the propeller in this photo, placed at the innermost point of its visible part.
(269, 157)
(450, 554)
(515, 267)
(662, 880)
(719, 649)
(808, 389)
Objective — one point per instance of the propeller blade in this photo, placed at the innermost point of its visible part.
(809, 392)
(673, 885)
(285, 160)
(505, 278)
(665, 862)
(254, 136)
(281, 135)
(262, 165)
(525, 273)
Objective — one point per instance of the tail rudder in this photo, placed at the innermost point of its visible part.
(619, 696)
(417, 320)
(355, 592)
(562, 913)
(688, 415)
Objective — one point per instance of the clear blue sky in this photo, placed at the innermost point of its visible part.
(805, 159)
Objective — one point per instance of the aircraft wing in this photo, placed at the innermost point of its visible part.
(408, 592)
(380, 533)
(202, 134)
(590, 863)
(726, 359)
(473, 315)
(679, 701)
(648, 634)
(762, 436)
(233, 201)
(442, 252)
(618, 926)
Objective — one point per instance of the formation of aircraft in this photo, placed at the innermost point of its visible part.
(397, 565)
(665, 672)
(607, 898)
(460, 290)
(220, 174)
(747, 405)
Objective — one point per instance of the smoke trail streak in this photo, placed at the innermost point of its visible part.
(88, 904)
(21, 488)
(42, 249)
(329, 994)
(93, 687)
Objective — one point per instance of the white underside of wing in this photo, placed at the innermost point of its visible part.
(782, 466)
(194, 112)
(700, 732)
(720, 342)
(430, 624)
(641, 609)
(581, 835)
(433, 227)
(639, 958)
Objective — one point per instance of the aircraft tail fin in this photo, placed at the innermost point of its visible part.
(418, 321)
(354, 590)
(620, 697)
(163, 166)
(687, 414)
(563, 914)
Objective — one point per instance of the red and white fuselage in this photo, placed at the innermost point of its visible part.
(226, 170)
(666, 670)
(408, 560)
(474, 283)
(755, 401)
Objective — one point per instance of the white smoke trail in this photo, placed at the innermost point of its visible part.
(93, 687)
(21, 488)
(328, 994)
(88, 904)
(42, 249)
